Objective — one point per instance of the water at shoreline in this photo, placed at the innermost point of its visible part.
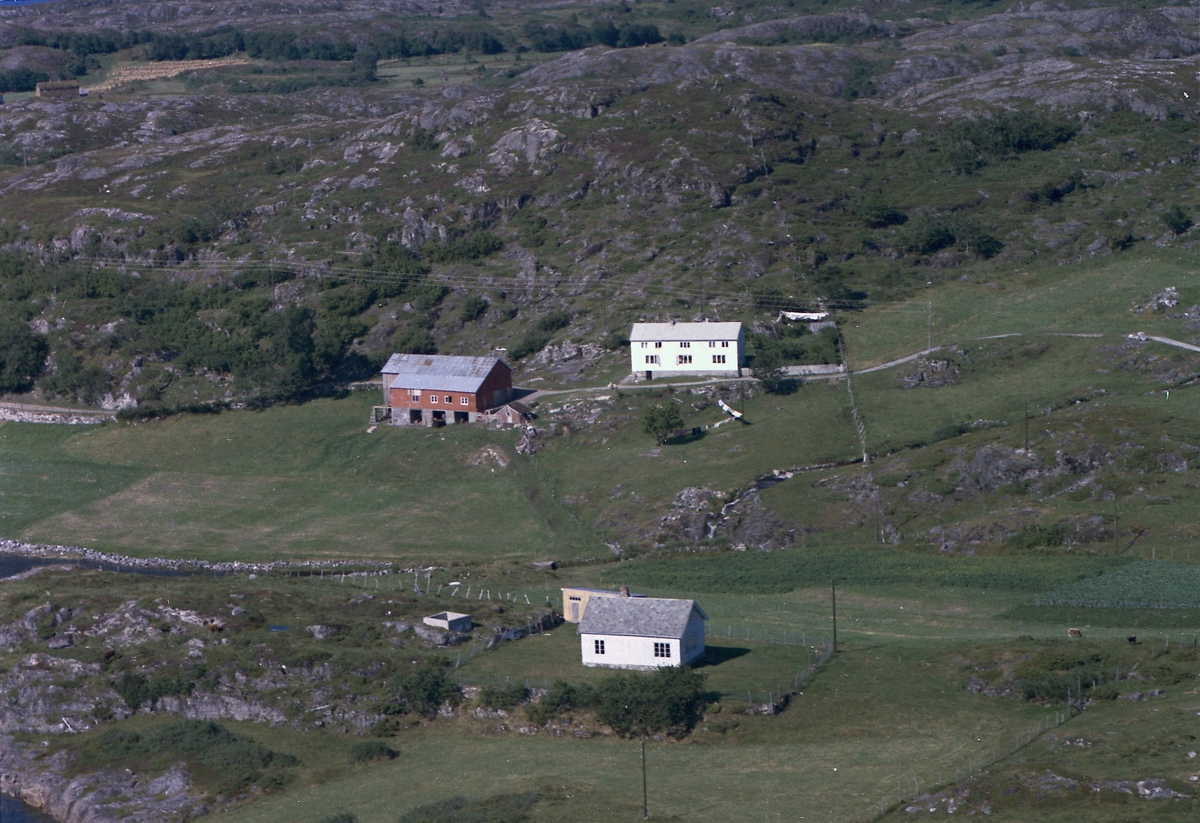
(14, 811)
(11, 564)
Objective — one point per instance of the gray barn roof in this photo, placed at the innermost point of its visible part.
(638, 616)
(435, 372)
(684, 331)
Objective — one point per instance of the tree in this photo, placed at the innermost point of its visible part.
(21, 355)
(660, 420)
(768, 369)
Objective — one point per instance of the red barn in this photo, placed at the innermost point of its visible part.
(434, 389)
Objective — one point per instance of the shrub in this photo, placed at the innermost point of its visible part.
(529, 343)
(669, 700)
(371, 750)
(1031, 537)
(553, 321)
(877, 213)
(503, 697)
(136, 689)
(340, 817)
(1177, 219)
(229, 760)
(473, 308)
(560, 698)
(424, 690)
(464, 249)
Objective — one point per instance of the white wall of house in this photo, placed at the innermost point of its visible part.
(687, 348)
(626, 652)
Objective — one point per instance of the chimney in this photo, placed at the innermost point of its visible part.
(624, 591)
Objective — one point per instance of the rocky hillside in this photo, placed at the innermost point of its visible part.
(227, 237)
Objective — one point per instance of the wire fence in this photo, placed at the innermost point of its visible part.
(912, 797)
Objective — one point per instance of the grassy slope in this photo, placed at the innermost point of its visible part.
(237, 486)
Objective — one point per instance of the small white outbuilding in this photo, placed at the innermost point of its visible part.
(641, 632)
(661, 349)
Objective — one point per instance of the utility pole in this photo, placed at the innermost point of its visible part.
(929, 328)
(1115, 547)
(1026, 426)
(833, 587)
(645, 796)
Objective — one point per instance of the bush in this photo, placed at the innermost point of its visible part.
(503, 697)
(371, 750)
(560, 698)
(229, 760)
(553, 321)
(669, 700)
(1032, 537)
(529, 343)
(22, 354)
(136, 689)
(1177, 219)
(768, 369)
(473, 308)
(877, 213)
(424, 691)
(1013, 132)
(464, 249)
(340, 817)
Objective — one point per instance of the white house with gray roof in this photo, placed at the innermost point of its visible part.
(641, 632)
(663, 349)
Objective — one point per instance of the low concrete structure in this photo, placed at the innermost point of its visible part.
(450, 621)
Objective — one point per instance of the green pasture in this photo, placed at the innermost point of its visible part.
(890, 711)
(1092, 297)
(300, 481)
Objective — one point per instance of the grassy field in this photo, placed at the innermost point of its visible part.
(889, 714)
(236, 486)
(1081, 298)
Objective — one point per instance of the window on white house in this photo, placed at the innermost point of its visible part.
(724, 344)
(718, 358)
(652, 359)
(599, 646)
(683, 359)
(662, 650)
(463, 401)
(712, 344)
(644, 344)
(685, 344)
(658, 344)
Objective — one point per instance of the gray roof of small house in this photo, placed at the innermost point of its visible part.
(434, 372)
(684, 331)
(638, 616)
